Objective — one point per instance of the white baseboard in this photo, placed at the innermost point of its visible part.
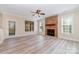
(69, 38)
(18, 36)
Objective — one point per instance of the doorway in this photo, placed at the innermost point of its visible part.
(40, 27)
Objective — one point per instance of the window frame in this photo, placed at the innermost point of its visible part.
(64, 18)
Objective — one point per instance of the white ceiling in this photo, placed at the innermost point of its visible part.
(25, 9)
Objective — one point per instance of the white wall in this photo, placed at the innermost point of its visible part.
(75, 34)
(20, 25)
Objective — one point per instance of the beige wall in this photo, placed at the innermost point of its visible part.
(0, 20)
(20, 25)
(75, 34)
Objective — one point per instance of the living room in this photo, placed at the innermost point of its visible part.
(29, 29)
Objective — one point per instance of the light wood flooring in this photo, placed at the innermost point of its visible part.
(37, 44)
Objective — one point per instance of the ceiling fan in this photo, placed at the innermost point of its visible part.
(38, 13)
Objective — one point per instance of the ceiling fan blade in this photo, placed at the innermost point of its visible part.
(42, 13)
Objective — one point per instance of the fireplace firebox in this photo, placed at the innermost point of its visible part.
(51, 32)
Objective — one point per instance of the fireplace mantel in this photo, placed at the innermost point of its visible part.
(50, 24)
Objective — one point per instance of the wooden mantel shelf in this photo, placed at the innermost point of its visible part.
(50, 24)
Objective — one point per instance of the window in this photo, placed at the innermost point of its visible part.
(29, 26)
(67, 24)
